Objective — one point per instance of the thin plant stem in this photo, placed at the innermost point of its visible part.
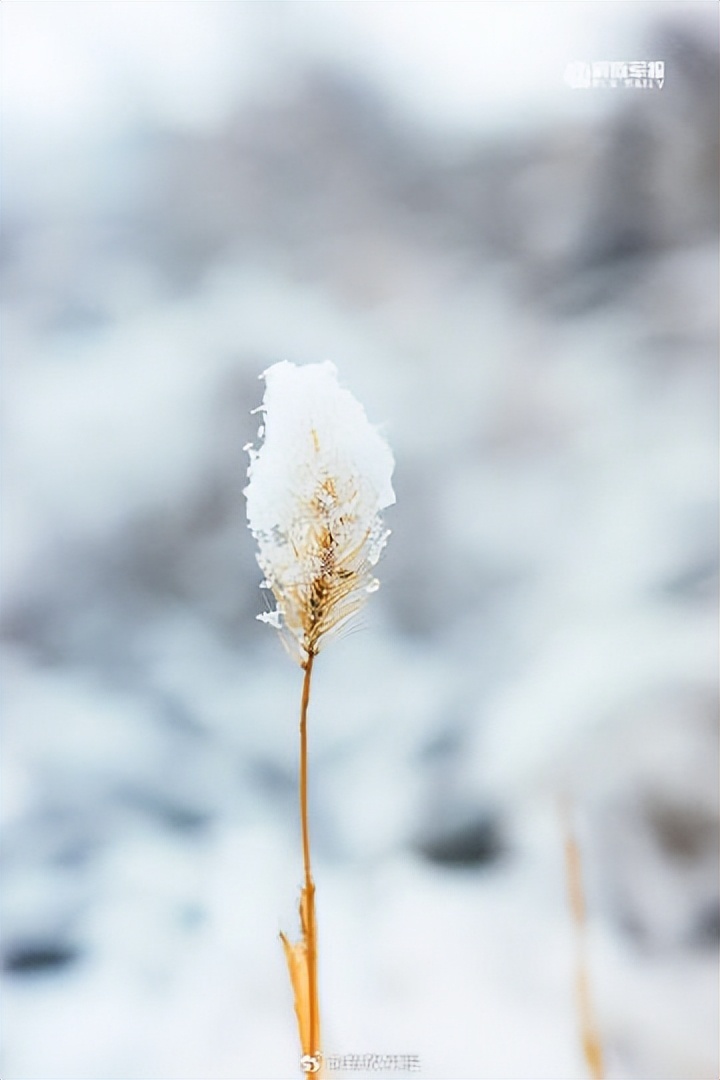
(311, 928)
(590, 1038)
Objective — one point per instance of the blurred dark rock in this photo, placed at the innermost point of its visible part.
(38, 958)
(475, 843)
(705, 934)
(684, 833)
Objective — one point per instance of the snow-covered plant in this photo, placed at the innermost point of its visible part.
(317, 486)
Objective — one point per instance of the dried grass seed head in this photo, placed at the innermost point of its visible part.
(317, 485)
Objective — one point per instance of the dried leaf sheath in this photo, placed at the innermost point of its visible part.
(301, 958)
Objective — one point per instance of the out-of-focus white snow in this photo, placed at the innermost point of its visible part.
(546, 622)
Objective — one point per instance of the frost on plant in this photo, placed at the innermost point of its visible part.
(318, 483)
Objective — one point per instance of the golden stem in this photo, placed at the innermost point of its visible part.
(311, 928)
(591, 1044)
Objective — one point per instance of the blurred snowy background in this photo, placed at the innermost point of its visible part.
(519, 281)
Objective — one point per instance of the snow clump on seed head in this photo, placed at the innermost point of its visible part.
(317, 485)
